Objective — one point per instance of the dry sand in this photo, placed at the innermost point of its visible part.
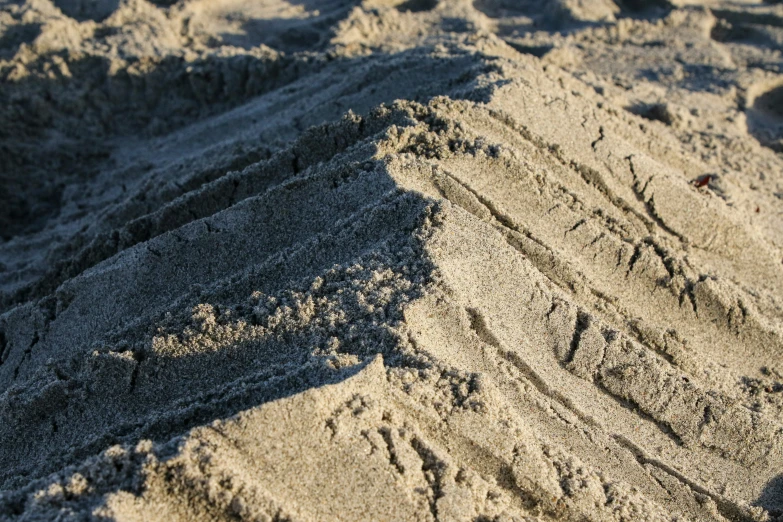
(489, 260)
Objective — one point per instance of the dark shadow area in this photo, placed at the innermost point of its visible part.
(83, 10)
(519, 16)
(765, 119)
(539, 51)
(748, 17)
(771, 498)
(653, 112)
(417, 6)
(647, 9)
(29, 193)
(16, 35)
(770, 103)
(723, 31)
(96, 10)
(511, 8)
(643, 5)
(64, 124)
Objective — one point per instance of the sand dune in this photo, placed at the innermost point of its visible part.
(391, 260)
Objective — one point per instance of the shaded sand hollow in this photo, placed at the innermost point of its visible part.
(489, 260)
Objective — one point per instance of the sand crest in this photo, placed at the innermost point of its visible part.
(447, 260)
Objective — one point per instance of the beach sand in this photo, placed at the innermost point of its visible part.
(454, 260)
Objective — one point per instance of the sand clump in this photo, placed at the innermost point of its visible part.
(391, 260)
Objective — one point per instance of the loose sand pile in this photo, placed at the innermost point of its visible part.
(491, 260)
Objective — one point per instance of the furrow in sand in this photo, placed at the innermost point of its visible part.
(666, 278)
(728, 509)
(485, 334)
(484, 286)
(595, 356)
(582, 322)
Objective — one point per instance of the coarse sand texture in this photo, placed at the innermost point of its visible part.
(380, 260)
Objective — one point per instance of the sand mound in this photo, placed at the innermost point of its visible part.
(390, 260)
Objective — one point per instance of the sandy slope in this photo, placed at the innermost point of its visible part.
(424, 260)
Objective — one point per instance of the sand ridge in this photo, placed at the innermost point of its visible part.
(381, 260)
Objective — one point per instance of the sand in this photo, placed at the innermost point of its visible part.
(490, 260)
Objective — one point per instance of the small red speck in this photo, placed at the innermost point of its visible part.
(758, 209)
(702, 181)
